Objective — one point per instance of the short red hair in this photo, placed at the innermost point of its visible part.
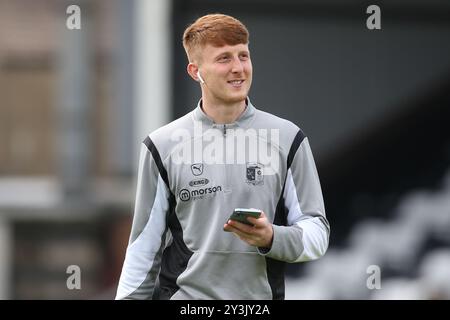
(215, 29)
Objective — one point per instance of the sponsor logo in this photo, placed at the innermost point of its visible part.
(186, 195)
(197, 169)
(254, 174)
(198, 182)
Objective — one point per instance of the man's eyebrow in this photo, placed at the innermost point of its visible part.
(230, 53)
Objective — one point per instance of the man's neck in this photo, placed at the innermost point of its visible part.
(222, 113)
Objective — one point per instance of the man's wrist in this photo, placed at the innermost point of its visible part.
(267, 248)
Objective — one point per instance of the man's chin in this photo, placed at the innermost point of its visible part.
(237, 98)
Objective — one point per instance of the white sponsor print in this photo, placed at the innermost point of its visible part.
(235, 146)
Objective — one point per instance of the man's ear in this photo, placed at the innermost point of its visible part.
(192, 70)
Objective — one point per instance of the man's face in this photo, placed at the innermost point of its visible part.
(227, 72)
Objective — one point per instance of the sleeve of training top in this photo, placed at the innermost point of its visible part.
(307, 232)
(147, 239)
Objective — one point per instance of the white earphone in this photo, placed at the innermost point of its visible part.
(200, 77)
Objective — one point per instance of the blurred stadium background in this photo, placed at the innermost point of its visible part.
(75, 105)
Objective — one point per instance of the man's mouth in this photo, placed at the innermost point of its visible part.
(236, 83)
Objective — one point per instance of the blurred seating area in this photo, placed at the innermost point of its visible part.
(411, 249)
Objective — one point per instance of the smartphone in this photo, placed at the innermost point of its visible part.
(241, 214)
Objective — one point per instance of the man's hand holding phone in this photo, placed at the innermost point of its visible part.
(251, 226)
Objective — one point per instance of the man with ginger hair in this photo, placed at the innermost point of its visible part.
(183, 244)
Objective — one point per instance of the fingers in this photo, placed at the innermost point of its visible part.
(260, 222)
(255, 230)
(251, 239)
(241, 227)
(260, 234)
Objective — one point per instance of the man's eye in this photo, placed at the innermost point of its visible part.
(223, 59)
(244, 56)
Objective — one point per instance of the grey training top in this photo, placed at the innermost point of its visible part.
(192, 174)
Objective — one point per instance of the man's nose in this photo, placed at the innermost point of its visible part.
(237, 66)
